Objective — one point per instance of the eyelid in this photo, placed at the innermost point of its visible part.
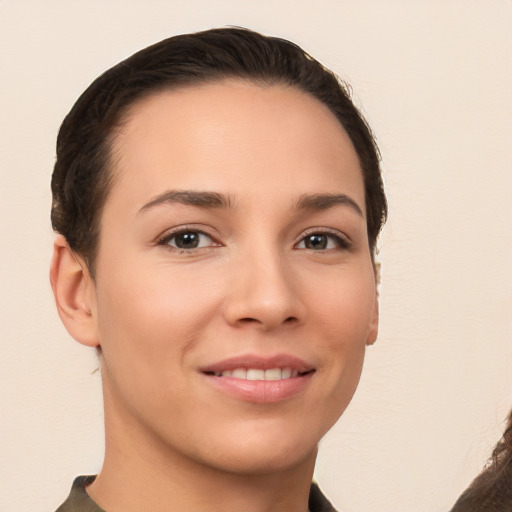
(344, 241)
(167, 235)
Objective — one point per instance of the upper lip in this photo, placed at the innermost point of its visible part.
(259, 362)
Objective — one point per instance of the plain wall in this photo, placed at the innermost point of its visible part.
(434, 78)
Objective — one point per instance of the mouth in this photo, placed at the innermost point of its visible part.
(272, 374)
(258, 379)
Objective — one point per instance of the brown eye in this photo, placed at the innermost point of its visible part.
(316, 241)
(188, 240)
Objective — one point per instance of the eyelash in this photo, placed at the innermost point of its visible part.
(341, 241)
(167, 237)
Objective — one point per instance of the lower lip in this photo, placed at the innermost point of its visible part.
(261, 391)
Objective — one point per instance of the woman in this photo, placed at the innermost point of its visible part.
(491, 491)
(217, 198)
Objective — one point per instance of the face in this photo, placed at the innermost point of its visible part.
(234, 289)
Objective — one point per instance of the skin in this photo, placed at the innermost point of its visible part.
(255, 285)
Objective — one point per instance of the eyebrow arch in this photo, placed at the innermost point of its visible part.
(189, 197)
(326, 201)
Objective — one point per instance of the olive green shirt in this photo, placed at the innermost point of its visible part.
(79, 501)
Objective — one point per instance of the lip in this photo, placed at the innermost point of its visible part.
(259, 391)
(255, 361)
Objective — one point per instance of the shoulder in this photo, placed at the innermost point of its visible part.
(318, 502)
(78, 499)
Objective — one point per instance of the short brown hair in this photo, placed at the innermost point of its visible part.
(82, 179)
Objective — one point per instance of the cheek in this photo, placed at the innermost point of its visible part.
(344, 306)
(344, 309)
(153, 318)
(147, 328)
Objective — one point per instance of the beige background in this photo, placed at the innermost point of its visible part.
(435, 80)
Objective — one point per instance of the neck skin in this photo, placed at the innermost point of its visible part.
(139, 474)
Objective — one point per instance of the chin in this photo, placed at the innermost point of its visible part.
(254, 462)
(263, 454)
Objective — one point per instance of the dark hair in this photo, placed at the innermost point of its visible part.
(491, 491)
(82, 179)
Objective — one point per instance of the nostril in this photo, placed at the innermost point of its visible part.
(248, 320)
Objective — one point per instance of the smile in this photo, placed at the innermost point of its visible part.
(258, 379)
(259, 374)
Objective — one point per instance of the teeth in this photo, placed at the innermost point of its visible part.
(259, 374)
(253, 374)
(286, 373)
(273, 374)
(239, 373)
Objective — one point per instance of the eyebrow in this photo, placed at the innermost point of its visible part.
(326, 201)
(217, 200)
(191, 198)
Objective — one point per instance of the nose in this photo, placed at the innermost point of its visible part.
(264, 293)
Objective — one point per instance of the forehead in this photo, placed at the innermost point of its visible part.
(232, 134)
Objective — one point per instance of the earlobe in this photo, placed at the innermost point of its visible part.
(73, 289)
(374, 323)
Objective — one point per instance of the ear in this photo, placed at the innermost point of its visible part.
(374, 323)
(74, 292)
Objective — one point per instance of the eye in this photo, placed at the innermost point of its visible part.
(188, 239)
(321, 241)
